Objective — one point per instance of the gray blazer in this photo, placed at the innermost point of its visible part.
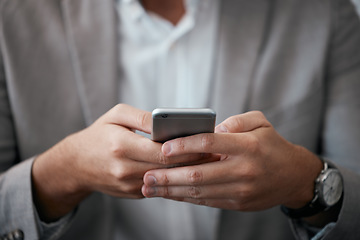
(298, 61)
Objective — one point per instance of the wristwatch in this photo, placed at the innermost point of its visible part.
(328, 192)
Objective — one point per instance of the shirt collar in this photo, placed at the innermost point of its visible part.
(134, 7)
(140, 26)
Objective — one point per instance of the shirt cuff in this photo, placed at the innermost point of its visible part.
(55, 229)
(304, 231)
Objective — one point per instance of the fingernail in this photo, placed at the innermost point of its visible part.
(150, 180)
(166, 148)
(222, 129)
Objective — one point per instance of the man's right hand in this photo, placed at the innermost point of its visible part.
(107, 157)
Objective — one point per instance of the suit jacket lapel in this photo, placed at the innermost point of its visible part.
(241, 34)
(90, 26)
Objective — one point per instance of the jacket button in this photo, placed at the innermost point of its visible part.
(15, 235)
(18, 235)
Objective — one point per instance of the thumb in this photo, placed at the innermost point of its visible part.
(245, 122)
(129, 117)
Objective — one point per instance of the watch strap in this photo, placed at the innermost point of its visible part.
(309, 210)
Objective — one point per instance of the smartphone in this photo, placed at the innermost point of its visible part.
(170, 123)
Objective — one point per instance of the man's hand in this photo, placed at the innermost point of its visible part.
(257, 168)
(107, 157)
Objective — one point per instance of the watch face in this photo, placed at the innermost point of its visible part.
(331, 187)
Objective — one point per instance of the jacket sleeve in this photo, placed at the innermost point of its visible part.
(16, 205)
(341, 135)
(341, 130)
(18, 216)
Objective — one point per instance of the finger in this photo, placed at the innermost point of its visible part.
(243, 123)
(132, 189)
(204, 174)
(222, 143)
(130, 117)
(214, 191)
(126, 170)
(193, 159)
(139, 148)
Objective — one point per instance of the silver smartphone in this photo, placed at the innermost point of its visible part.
(170, 123)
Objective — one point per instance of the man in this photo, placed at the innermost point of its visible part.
(72, 171)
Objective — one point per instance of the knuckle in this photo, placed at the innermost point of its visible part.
(161, 158)
(118, 108)
(115, 144)
(166, 192)
(181, 144)
(260, 115)
(242, 200)
(115, 113)
(116, 149)
(243, 194)
(194, 192)
(132, 189)
(253, 144)
(122, 171)
(119, 173)
(207, 141)
(141, 119)
(194, 177)
(248, 172)
(237, 124)
(120, 105)
(164, 179)
(201, 202)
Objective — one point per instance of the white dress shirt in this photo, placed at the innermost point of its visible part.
(163, 65)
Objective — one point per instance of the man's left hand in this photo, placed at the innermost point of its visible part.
(256, 168)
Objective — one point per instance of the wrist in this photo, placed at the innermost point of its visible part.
(56, 189)
(327, 197)
(307, 168)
